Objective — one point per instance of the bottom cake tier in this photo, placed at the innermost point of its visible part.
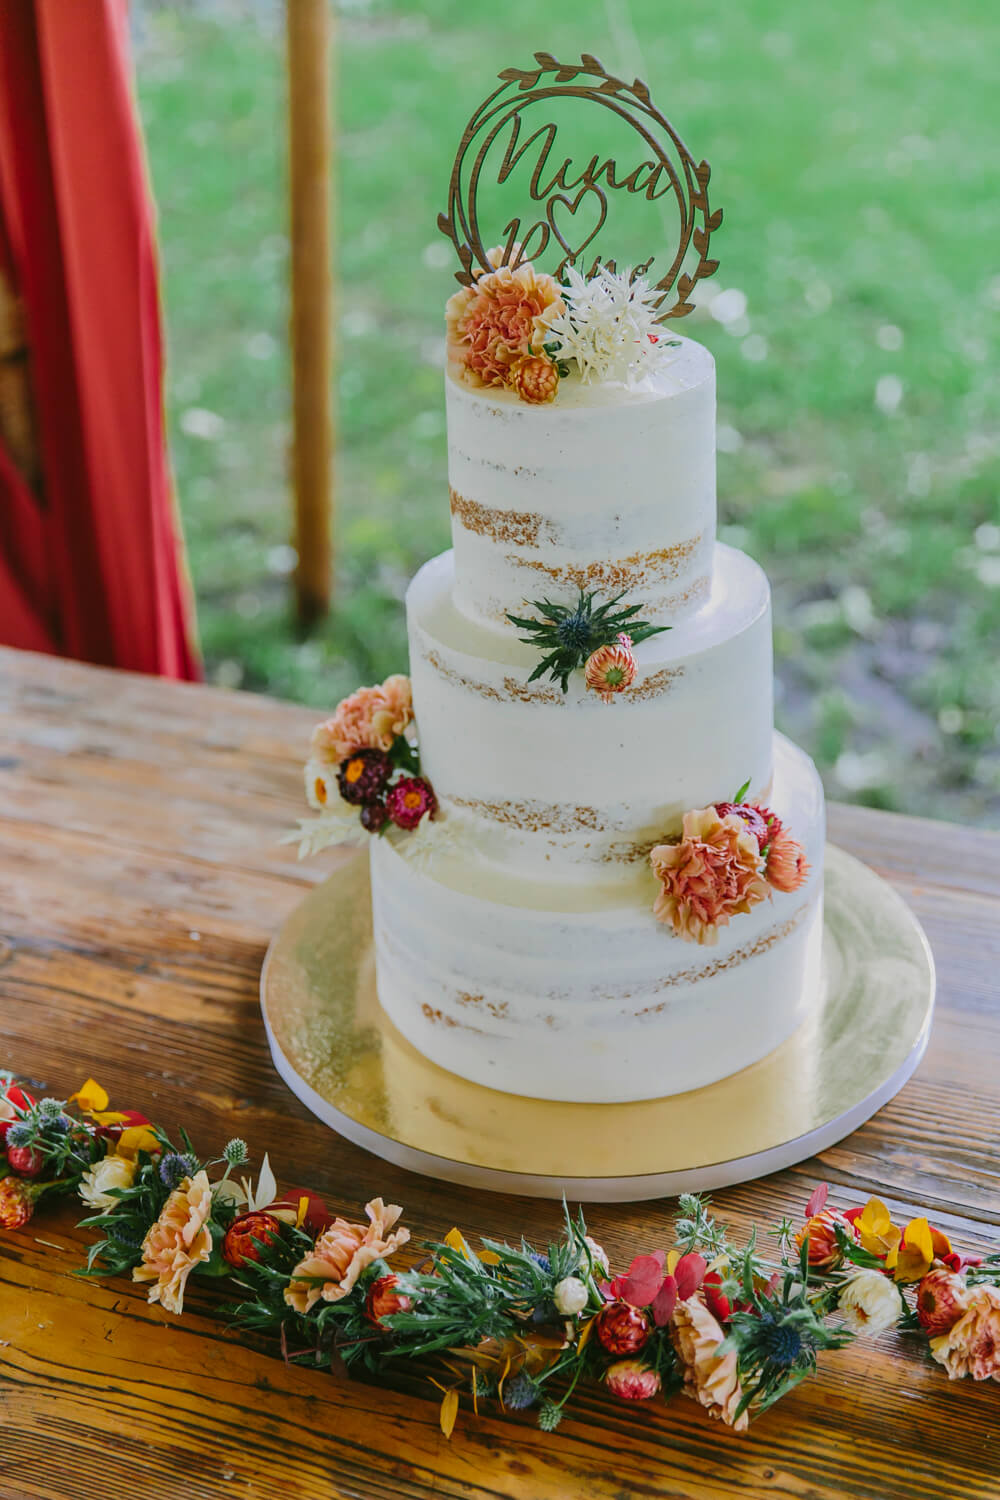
(577, 992)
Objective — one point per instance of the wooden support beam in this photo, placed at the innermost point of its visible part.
(309, 27)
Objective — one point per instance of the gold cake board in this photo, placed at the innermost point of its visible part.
(339, 1053)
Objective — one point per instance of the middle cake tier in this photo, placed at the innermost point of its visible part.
(556, 784)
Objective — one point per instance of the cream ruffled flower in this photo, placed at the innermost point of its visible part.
(177, 1242)
(111, 1172)
(708, 1378)
(715, 872)
(340, 1255)
(972, 1345)
(499, 320)
(870, 1303)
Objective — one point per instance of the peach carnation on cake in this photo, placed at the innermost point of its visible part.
(972, 1344)
(177, 1242)
(369, 719)
(341, 1253)
(500, 320)
(708, 1378)
(715, 872)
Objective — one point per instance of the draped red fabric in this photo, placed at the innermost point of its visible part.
(91, 565)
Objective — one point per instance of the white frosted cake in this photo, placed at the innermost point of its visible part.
(605, 883)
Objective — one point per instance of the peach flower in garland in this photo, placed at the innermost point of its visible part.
(178, 1242)
(972, 1344)
(499, 320)
(367, 720)
(341, 1253)
(715, 872)
(708, 1377)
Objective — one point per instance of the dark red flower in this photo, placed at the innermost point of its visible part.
(383, 1300)
(409, 800)
(363, 775)
(622, 1328)
(374, 816)
(317, 1216)
(750, 816)
(25, 1160)
(772, 822)
(239, 1244)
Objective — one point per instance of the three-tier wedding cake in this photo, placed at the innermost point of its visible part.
(596, 868)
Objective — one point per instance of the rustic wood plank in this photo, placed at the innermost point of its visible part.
(140, 880)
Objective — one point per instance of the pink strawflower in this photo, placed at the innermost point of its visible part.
(631, 1380)
(499, 320)
(972, 1344)
(714, 873)
(787, 867)
(941, 1300)
(821, 1232)
(341, 1253)
(622, 1328)
(408, 800)
(369, 719)
(611, 669)
(17, 1202)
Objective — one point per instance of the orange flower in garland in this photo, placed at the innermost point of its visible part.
(714, 873)
(611, 669)
(535, 379)
(499, 320)
(709, 1377)
(178, 1241)
(341, 1253)
(820, 1232)
(972, 1344)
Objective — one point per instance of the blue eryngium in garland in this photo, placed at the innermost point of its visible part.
(570, 633)
(520, 1325)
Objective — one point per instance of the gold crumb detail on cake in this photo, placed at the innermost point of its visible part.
(639, 571)
(730, 961)
(497, 1008)
(515, 528)
(536, 817)
(653, 685)
(511, 691)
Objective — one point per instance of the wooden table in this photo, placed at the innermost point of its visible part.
(140, 880)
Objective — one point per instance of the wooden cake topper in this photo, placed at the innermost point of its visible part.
(558, 188)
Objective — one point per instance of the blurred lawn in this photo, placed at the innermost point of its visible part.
(855, 153)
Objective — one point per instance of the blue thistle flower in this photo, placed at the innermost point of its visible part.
(236, 1152)
(20, 1133)
(541, 1261)
(549, 1416)
(574, 631)
(48, 1110)
(520, 1393)
(60, 1125)
(780, 1343)
(174, 1168)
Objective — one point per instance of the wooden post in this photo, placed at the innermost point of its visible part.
(310, 148)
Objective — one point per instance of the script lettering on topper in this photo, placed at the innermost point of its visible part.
(573, 199)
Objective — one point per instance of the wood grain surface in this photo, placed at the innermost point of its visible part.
(140, 880)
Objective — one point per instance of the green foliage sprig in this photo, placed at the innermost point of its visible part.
(568, 634)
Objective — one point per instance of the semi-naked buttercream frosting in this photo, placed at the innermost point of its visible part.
(516, 940)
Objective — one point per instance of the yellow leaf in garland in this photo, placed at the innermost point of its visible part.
(876, 1231)
(90, 1096)
(107, 1116)
(673, 1256)
(449, 1412)
(457, 1241)
(135, 1139)
(912, 1260)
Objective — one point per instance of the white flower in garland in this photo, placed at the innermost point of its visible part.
(609, 327)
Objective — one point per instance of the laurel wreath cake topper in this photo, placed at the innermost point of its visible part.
(568, 202)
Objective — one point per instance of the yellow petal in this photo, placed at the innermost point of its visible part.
(135, 1139)
(302, 1211)
(673, 1257)
(489, 1257)
(586, 1330)
(456, 1239)
(449, 1411)
(107, 1116)
(90, 1096)
(875, 1217)
(918, 1237)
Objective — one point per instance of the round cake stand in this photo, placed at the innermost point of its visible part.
(338, 1052)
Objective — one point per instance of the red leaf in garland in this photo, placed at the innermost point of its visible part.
(689, 1273)
(715, 1298)
(642, 1280)
(664, 1302)
(817, 1200)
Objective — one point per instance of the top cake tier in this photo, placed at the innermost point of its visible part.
(606, 489)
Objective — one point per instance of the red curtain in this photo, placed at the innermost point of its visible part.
(91, 559)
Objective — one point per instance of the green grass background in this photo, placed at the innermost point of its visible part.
(855, 155)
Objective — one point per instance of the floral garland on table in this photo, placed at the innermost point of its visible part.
(519, 328)
(510, 1324)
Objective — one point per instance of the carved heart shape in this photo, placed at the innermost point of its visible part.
(571, 206)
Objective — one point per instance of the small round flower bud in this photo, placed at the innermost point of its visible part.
(549, 1416)
(236, 1152)
(570, 1296)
